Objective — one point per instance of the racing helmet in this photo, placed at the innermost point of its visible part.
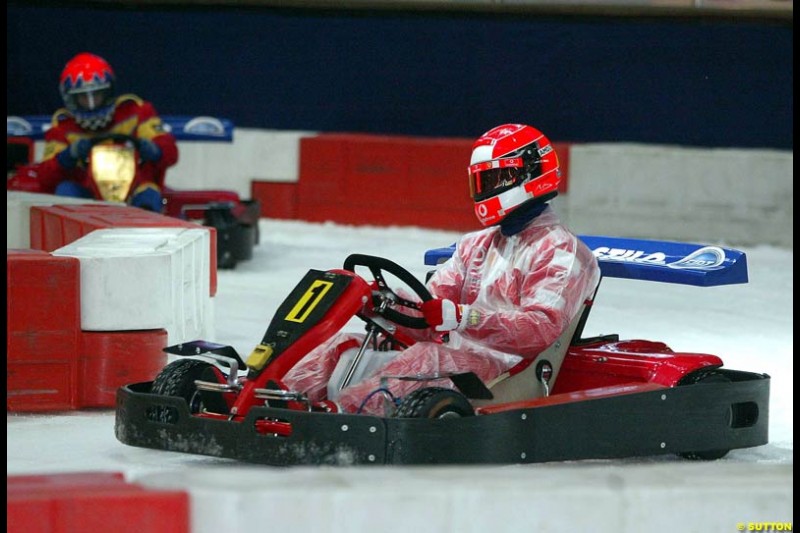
(511, 165)
(87, 87)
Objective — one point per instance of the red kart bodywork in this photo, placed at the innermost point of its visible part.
(607, 363)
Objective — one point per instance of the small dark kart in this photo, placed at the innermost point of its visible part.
(113, 164)
(234, 219)
(582, 398)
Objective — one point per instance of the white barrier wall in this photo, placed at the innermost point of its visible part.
(266, 155)
(18, 220)
(736, 196)
(269, 155)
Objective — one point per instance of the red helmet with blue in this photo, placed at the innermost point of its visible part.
(87, 87)
(511, 165)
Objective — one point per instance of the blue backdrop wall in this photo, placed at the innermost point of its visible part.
(684, 81)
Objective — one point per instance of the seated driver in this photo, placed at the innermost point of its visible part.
(92, 109)
(507, 293)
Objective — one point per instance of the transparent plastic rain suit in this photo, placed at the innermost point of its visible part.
(518, 293)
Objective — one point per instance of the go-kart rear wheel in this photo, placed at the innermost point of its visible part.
(705, 377)
(177, 379)
(434, 402)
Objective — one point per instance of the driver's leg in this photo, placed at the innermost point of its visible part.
(425, 359)
(312, 373)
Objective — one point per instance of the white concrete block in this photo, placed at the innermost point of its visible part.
(145, 278)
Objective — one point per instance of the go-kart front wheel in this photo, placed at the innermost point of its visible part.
(177, 379)
(434, 402)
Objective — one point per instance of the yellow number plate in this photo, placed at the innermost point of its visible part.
(310, 299)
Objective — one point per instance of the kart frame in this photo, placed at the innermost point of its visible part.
(684, 415)
(640, 422)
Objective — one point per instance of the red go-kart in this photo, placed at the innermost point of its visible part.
(582, 398)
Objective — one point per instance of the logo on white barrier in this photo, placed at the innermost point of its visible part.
(205, 126)
(18, 127)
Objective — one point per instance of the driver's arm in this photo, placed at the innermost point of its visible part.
(50, 171)
(151, 128)
(447, 280)
(562, 274)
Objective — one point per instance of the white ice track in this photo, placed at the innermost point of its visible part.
(749, 326)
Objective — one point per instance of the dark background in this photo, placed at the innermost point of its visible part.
(723, 81)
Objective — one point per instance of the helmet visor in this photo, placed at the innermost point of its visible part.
(91, 100)
(493, 177)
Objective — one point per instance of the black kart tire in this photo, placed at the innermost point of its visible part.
(434, 402)
(177, 379)
(705, 455)
(708, 455)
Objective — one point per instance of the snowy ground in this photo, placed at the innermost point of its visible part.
(749, 326)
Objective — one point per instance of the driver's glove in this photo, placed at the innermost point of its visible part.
(442, 314)
(76, 151)
(149, 151)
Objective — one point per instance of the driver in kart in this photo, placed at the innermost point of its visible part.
(507, 293)
(92, 109)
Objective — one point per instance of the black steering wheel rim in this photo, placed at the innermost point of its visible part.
(116, 137)
(377, 266)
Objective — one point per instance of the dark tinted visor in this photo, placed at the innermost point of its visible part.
(486, 182)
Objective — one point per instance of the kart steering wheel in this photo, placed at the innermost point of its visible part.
(377, 266)
(117, 138)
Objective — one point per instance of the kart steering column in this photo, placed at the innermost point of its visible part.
(372, 329)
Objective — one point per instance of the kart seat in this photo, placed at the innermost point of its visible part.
(523, 381)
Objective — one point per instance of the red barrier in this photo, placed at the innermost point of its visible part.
(379, 180)
(277, 199)
(42, 331)
(92, 502)
(111, 359)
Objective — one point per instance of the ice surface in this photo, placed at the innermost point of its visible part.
(749, 326)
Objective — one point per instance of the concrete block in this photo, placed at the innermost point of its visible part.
(144, 278)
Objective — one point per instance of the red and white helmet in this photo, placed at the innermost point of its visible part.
(511, 165)
(87, 87)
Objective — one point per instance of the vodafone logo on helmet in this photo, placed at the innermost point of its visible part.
(482, 211)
